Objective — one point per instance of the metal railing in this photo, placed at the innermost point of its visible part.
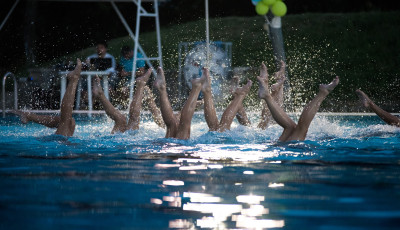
(4, 92)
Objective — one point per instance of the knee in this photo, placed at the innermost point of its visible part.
(291, 127)
(120, 120)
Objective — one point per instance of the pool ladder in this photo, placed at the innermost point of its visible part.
(4, 92)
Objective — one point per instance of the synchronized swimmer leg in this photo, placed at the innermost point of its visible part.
(232, 109)
(235, 108)
(241, 115)
(150, 103)
(277, 112)
(189, 108)
(210, 114)
(119, 119)
(167, 113)
(277, 95)
(309, 111)
(179, 126)
(136, 105)
(46, 120)
(67, 123)
(385, 116)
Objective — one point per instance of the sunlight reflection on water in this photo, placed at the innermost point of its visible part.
(240, 179)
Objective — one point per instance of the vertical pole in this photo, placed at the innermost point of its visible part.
(78, 95)
(131, 33)
(275, 32)
(180, 71)
(135, 49)
(158, 32)
(63, 86)
(276, 37)
(105, 86)
(89, 90)
(4, 92)
(207, 37)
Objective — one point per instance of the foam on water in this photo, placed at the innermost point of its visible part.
(344, 176)
(329, 138)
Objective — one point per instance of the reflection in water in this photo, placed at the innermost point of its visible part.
(173, 201)
(173, 182)
(249, 199)
(251, 222)
(247, 212)
(275, 185)
(236, 180)
(202, 197)
(181, 224)
(193, 167)
(255, 210)
(156, 201)
(167, 165)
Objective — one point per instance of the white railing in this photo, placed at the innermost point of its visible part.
(4, 92)
(88, 74)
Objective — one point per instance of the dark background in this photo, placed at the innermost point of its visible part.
(38, 31)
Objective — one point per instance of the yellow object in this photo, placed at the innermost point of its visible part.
(268, 2)
(261, 8)
(279, 9)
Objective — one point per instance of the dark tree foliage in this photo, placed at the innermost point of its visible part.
(64, 27)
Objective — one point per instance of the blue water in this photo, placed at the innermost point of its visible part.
(345, 176)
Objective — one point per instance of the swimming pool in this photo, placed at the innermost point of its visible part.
(345, 176)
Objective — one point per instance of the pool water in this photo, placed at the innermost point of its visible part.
(346, 175)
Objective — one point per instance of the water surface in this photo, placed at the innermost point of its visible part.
(344, 176)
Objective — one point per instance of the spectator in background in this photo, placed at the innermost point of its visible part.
(126, 62)
(101, 52)
(125, 69)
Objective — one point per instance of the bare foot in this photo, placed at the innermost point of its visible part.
(97, 90)
(159, 83)
(363, 98)
(142, 80)
(147, 94)
(281, 74)
(234, 84)
(329, 87)
(207, 83)
(23, 116)
(76, 73)
(198, 82)
(263, 90)
(263, 70)
(279, 84)
(244, 89)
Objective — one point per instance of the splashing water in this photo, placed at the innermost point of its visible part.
(94, 136)
(219, 67)
(241, 178)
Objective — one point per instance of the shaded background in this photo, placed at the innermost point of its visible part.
(39, 31)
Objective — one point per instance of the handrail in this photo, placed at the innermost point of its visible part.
(4, 92)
